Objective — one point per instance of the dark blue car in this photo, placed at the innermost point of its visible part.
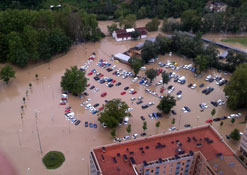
(86, 124)
(90, 125)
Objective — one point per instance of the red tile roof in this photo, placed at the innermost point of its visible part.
(209, 150)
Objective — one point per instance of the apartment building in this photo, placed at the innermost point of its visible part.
(196, 151)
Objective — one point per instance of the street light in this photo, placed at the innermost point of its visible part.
(198, 117)
(36, 115)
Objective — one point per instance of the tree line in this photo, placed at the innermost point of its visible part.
(28, 36)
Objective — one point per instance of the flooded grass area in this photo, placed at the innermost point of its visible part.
(19, 137)
(240, 40)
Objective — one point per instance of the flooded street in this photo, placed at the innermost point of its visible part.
(19, 137)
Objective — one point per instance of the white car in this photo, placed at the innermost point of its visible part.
(135, 79)
(96, 89)
(193, 86)
(126, 120)
(131, 90)
(172, 128)
(134, 136)
(151, 103)
(140, 98)
(132, 98)
(126, 138)
(117, 140)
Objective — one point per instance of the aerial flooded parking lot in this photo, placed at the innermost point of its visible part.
(18, 137)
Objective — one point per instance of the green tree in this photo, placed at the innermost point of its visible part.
(74, 81)
(22, 107)
(149, 51)
(221, 123)
(235, 135)
(135, 35)
(162, 44)
(30, 85)
(135, 64)
(233, 120)
(17, 53)
(36, 76)
(128, 128)
(153, 25)
(144, 126)
(157, 124)
(236, 90)
(129, 21)
(213, 112)
(201, 63)
(114, 112)
(113, 132)
(166, 104)
(165, 78)
(170, 25)
(44, 45)
(191, 20)
(6, 73)
(173, 121)
(151, 74)
(113, 27)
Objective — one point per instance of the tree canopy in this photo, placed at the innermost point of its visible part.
(6, 73)
(151, 74)
(166, 104)
(114, 112)
(165, 78)
(153, 25)
(135, 64)
(236, 90)
(235, 135)
(30, 36)
(74, 81)
(149, 51)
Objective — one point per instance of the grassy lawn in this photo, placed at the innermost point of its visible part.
(53, 159)
(240, 40)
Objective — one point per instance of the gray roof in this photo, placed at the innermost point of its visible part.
(122, 57)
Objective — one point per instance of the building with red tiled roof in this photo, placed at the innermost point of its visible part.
(125, 34)
(195, 151)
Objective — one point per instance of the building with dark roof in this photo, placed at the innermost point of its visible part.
(125, 34)
(195, 151)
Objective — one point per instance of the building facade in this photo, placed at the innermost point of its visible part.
(196, 151)
(125, 34)
(243, 144)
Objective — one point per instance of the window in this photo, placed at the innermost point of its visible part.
(147, 172)
(157, 170)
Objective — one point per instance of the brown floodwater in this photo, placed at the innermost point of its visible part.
(19, 137)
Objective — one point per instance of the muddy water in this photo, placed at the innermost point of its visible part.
(19, 137)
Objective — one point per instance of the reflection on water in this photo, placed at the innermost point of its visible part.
(75, 142)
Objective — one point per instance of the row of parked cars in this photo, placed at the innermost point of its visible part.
(69, 115)
(219, 80)
(231, 116)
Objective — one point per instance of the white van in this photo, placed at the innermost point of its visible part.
(143, 68)
(126, 120)
(135, 79)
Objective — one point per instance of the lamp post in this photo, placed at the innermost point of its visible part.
(40, 147)
(19, 139)
(198, 117)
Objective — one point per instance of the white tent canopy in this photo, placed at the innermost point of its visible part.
(122, 57)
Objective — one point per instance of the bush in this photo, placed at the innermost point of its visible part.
(153, 25)
(53, 159)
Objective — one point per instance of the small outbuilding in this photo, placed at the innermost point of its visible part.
(122, 58)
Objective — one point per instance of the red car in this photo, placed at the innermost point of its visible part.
(101, 108)
(162, 90)
(113, 81)
(67, 110)
(103, 94)
(90, 73)
(63, 102)
(101, 75)
(88, 85)
(160, 70)
(134, 92)
(91, 58)
(122, 93)
(209, 121)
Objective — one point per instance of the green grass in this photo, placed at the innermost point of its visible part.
(240, 40)
(53, 159)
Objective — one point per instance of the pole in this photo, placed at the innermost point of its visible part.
(40, 147)
(19, 139)
(180, 120)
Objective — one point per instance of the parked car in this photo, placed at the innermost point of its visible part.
(143, 134)
(126, 138)
(209, 121)
(103, 94)
(96, 105)
(172, 128)
(187, 125)
(134, 136)
(139, 102)
(173, 112)
(144, 106)
(122, 93)
(77, 122)
(92, 87)
(126, 88)
(142, 118)
(86, 124)
(118, 84)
